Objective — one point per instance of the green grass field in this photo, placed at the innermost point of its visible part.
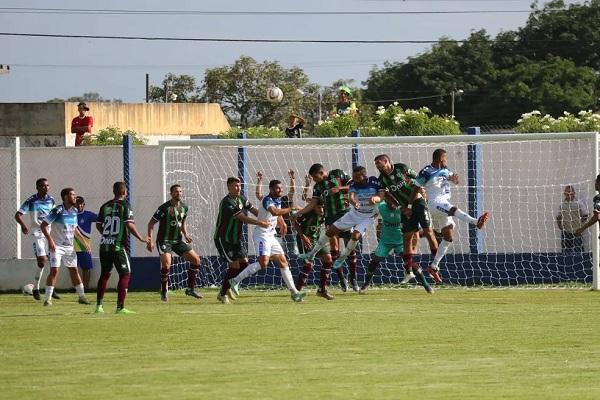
(388, 344)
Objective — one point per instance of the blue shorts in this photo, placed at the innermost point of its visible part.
(84, 260)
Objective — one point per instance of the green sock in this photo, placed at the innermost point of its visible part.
(369, 277)
(420, 277)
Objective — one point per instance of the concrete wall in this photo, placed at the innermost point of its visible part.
(49, 124)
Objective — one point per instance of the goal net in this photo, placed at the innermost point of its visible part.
(519, 179)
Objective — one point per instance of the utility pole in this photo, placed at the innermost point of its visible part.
(453, 94)
(147, 88)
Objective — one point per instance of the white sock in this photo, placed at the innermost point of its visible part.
(38, 276)
(250, 270)
(463, 216)
(441, 252)
(349, 248)
(79, 289)
(286, 274)
(49, 291)
(323, 240)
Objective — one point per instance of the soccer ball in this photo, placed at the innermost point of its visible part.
(27, 289)
(274, 94)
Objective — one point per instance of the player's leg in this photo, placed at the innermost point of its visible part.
(189, 255)
(84, 263)
(325, 238)
(69, 260)
(286, 275)
(54, 259)
(305, 269)
(463, 216)
(381, 252)
(165, 266)
(263, 250)
(227, 251)
(123, 268)
(411, 241)
(106, 265)
(326, 265)
(41, 254)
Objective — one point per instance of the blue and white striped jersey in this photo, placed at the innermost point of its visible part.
(436, 183)
(64, 223)
(265, 215)
(37, 208)
(363, 193)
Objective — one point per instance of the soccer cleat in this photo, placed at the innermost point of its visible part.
(408, 276)
(429, 289)
(124, 311)
(36, 294)
(364, 288)
(482, 220)
(48, 303)
(223, 298)
(83, 300)
(434, 273)
(164, 295)
(99, 309)
(338, 264)
(235, 287)
(193, 293)
(354, 284)
(231, 295)
(299, 296)
(55, 295)
(324, 294)
(343, 283)
(306, 257)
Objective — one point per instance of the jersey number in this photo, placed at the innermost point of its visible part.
(111, 225)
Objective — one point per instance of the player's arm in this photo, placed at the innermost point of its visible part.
(594, 219)
(309, 207)
(453, 177)
(279, 212)
(133, 229)
(149, 242)
(353, 200)
(292, 190)
(21, 222)
(184, 231)
(251, 221)
(306, 188)
(282, 226)
(82, 238)
(46, 232)
(305, 239)
(258, 190)
(559, 221)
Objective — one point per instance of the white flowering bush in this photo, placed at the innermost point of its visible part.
(338, 126)
(394, 120)
(255, 132)
(535, 122)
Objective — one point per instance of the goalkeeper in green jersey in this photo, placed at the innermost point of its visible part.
(391, 240)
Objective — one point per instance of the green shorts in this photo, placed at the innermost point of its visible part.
(385, 247)
(117, 259)
(324, 250)
(231, 251)
(179, 248)
(420, 218)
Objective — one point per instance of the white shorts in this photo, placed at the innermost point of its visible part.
(63, 257)
(353, 219)
(266, 246)
(40, 246)
(439, 214)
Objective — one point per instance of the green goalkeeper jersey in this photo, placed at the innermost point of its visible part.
(391, 224)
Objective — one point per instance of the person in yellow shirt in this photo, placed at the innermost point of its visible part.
(344, 106)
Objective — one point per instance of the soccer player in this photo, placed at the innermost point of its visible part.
(596, 214)
(363, 193)
(85, 219)
(267, 246)
(390, 240)
(172, 231)
(63, 219)
(399, 187)
(436, 179)
(309, 227)
(331, 187)
(228, 233)
(37, 206)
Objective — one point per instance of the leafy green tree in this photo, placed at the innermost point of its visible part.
(111, 136)
(180, 89)
(86, 97)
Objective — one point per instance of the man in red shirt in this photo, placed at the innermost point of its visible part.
(81, 123)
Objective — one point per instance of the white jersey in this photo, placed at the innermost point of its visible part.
(37, 208)
(363, 194)
(265, 215)
(436, 183)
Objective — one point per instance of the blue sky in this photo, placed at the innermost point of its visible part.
(43, 68)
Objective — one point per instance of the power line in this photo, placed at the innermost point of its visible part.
(69, 11)
(233, 40)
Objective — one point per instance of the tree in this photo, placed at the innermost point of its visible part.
(86, 97)
(180, 89)
(241, 88)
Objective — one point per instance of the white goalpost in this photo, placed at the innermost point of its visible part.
(519, 178)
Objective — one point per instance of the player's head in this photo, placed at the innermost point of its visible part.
(440, 158)
(359, 174)
(80, 203)
(275, 189)
(344, 94)
(569, 193)
(42, 186)
(317, 172)
(598, 183)
(234, 186)
(383, 163)
(320, 208)
(68, 196)
(119, 189)
(176, 192)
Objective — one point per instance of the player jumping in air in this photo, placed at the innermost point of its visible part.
(115, 220)
(63, 219)
(436, 179)
(233, 211)
(331, 188)
(37, 206)
(172, 231)
(266, 243)
(309, 227)
(398, 186)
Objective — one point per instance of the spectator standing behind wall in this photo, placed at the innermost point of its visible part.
(295, 125)
(571, 214)
(82, 123)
